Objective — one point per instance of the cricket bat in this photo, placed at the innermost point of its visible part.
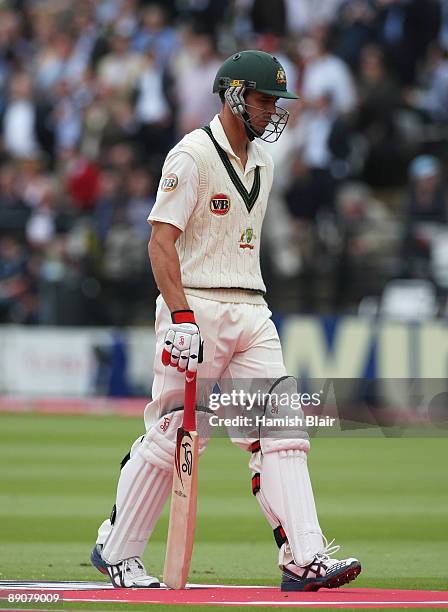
(182, 522)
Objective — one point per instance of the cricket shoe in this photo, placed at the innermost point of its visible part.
(127, 574)
(322, 572)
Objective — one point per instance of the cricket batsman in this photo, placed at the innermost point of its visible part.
(204, 251)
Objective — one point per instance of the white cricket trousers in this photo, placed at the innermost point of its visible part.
(240, 342)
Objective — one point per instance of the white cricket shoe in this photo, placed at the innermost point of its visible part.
(131, 573)
(322, 572)
(127, 574)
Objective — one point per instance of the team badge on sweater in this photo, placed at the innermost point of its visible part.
(220, 204)
(169, 182)
(246, 238)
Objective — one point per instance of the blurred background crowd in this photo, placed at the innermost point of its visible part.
(93, 94)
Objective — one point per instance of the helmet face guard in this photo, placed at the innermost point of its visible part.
(234, 96)
(258, 71)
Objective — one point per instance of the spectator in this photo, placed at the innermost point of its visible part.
(107, 201)
(305, 15)
(379, 100)
(269, 16)
(120, 69)
(125, 269)
(31, 181)
(126, 22)
(141, 198)
(301, 203)
(197, 103)
(427, 202)
(60, 280)
(405, 29)
(67, 118)
(13, 47)
(87, 37)
(92, 93)
(432, 98)
(299, 195)
(13, 211)
(58, 60)
(25, 125)
(107, 11)
(81, 178)
(443, 33)
(370, 244)
(15, 286)
(122, 157)
(355, 30)
(107, 120)
(156, 36)
(322, 139)
(125, 256)
(45, 220)
(152, 110)
(207, 15)
(426, 212)
(325, 74)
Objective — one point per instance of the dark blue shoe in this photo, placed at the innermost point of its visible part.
(97, 560)
(322, 572)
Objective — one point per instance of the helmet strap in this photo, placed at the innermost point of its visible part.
(250, 132)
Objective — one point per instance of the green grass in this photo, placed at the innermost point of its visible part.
(385, 501)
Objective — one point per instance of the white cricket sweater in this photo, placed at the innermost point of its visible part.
(220, 244)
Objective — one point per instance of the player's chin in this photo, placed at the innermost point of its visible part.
(260, 128)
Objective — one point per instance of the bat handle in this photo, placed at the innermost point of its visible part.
(189, 421)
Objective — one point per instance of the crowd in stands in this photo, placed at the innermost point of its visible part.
(94, 93)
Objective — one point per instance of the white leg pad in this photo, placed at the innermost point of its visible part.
(159, 444)
(286, 492)
(106, 526)
(255, 467)
(144, 486)
(103, 531)
(142, 492)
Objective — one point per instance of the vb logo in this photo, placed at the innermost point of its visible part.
(169, 182)
(220, 204)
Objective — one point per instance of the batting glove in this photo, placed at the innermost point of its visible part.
(183, 344)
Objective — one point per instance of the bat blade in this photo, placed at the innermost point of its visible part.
(183, 510)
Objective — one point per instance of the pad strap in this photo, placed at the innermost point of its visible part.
(256, 483)
(255, 446)
(280, 536)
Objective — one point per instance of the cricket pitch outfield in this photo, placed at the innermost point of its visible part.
(384, 500)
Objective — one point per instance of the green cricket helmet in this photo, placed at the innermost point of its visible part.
(261, 72)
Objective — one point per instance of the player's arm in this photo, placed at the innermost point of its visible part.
(176, 198)
(183, 340)
(165, 264)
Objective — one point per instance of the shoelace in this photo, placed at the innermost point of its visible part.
(329, 550)
(134, 567)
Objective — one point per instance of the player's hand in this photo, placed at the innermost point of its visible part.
(183, 344)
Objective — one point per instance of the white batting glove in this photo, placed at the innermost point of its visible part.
(183, 344)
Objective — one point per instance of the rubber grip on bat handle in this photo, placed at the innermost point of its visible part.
(189, 421)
